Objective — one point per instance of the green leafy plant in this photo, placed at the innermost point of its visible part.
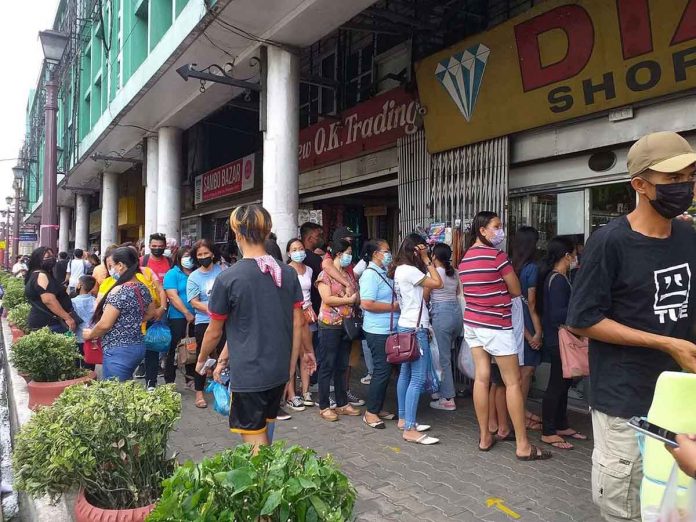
(19, 315)
(46, 356)
(109, 438)
(14, 293)
(277, 484)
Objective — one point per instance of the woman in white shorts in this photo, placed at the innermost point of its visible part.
(489, 283)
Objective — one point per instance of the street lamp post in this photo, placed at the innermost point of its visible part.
(18, 173)
(53, 44)
(9, 200)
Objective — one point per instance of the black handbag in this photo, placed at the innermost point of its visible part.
(353, 325)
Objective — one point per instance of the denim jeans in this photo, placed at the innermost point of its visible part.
(381, 371)
(447, 321)
(412, 378)
(367, 353)
(333, 357)
(121, 361)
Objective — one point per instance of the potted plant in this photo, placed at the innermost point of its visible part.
(49, 359)
(17, 318)
(109, 439)
(14, 294)
(277, 484)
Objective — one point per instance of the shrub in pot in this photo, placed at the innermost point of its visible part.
(109, 439)
(49, 359)
(18, 317)
(14, 294)
(277, 484)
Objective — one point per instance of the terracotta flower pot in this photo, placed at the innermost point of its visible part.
(17, 334)
(86, 512)
(44, 393)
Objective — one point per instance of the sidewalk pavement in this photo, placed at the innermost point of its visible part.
(396, 480)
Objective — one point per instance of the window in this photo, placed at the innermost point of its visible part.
(309, 104)
(359, 72)
(328, 95)
(316, 101)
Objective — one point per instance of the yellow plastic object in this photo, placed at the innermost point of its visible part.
(673, 408)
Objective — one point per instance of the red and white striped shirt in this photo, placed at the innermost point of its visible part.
(488, 302)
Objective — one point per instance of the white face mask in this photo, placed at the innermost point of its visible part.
(573, 263)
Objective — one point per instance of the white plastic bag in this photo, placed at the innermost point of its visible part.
(518, 327)
(677, 505)
(435, 355)
(466, 361)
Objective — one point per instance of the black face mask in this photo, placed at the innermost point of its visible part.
(48, 264)
(673, 199)
(205, 261)
(157, 252)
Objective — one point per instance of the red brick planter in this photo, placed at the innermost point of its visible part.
(44, 393)
(86, 512)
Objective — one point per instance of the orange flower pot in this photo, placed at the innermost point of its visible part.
(17, 334)
(45, 393)
(86, 512)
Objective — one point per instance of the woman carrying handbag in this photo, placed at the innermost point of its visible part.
(412, 273)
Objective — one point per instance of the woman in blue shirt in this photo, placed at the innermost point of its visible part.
(198, 288)
(379, 304)
(180, 312)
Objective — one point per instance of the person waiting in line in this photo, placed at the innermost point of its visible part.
(297, 255)
(198, 288)
(258, 302)
(181, 314)
(84, 305)
(92, 263)
(553, 296)
(60, 270)
(50, 304)
(119, 315)
(337, 303)
(446, 316)
(76, 269)
(413, 272)
(380, 310)
(523, 259)
(489, 283)
(101, 272)
(156, 260)
(19, 269)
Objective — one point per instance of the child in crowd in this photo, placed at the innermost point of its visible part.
(84, 304)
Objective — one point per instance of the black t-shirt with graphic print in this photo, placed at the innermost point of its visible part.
(643, 283)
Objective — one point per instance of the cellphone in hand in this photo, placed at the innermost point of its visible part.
(208, 364)
(654, 431)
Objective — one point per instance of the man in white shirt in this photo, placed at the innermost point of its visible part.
(19, 267)
(76, 269)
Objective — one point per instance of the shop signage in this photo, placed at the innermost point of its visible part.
(229, 179)
(367, 127)
(560, 60)
(28, 236)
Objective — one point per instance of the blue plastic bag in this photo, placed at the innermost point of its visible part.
(221, 395)
(158, 337)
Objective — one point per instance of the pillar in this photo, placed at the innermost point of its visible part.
(281, 141)
(64, 230)
(109, 216)
(169, 178)
(82, 221)
(152, 171)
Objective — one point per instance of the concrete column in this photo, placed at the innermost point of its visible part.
(152, 170)
(109, 217)
(281, 141)
(82, 221)
(170, 170)
(64, 230)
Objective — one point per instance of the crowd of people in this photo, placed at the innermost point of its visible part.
(288, 333)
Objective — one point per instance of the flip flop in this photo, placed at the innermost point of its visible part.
(490, 447)
(535, 454)
(532, 417)
(200, 403)
(425, 440)
(558, 444)
(575, 435)
(533, 425)
(509, 437)
(379, 425)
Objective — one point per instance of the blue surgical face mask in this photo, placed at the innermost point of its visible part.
(187, 263)
(346, 260)
(298, 256)
(114, 273)
(387, 259)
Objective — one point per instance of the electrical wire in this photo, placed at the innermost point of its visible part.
(218, 47)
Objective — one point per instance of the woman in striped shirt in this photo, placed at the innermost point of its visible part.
(489, 283)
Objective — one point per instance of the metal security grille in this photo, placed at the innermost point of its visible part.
(414, 183)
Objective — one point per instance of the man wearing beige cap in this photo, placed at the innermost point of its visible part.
(634, 299)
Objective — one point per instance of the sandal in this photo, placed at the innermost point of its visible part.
(490, 447)
(347, 410)
(510, 437)
(200, 403)
(419, 427)
(384, 415)
(532, 417)
(535, 454)
(379, 425)
(560, 444)
(533, 425)
(573, 435)
(328, 415)
(425, 440)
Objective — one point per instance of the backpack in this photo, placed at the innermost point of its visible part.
(146, 260)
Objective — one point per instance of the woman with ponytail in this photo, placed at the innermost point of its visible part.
(125, 306)
(446, 314)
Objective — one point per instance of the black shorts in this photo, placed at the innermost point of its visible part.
(496, 377)
(250, 412)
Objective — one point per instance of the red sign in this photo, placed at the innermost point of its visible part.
(232, 178)
(370, 126)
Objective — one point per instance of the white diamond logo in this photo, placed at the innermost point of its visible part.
(461, 76)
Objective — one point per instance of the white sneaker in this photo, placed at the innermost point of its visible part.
(444, 404)
(307, 399)
(367, 379)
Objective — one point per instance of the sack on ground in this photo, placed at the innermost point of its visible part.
(466, 361)
(221, 397)
(158, 337)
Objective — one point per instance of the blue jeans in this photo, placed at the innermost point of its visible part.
(121, 361)
(381, 371)
(412, 379)
(447, 320)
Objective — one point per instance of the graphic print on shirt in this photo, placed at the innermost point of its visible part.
(672, 287)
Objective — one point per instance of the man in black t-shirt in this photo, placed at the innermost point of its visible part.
(258, 301)
(60, 271)
(633, 298)
(312, 238)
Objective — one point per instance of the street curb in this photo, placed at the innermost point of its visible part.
(36, 510)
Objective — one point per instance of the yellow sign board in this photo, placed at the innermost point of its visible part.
(3, 245)
(560, 60)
